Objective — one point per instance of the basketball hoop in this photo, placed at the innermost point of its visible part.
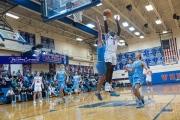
(78, 15)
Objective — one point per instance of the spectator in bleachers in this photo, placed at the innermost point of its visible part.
(14, 83)
(51, 90)
(1, 94)
(18, 73)
(3, 83)
(10, 96)
(29, 93)
(14, 74)
(17, 94)
(23, 94)
(45, 92)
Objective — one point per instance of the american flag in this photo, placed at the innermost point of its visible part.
(170, 51)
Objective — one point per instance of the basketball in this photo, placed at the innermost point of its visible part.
(107, 12)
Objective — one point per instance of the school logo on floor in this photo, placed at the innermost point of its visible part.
(115, 103)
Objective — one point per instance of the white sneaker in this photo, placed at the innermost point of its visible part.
(59, 100)
(107, 87)
(151, 88)
(40, 101)
(147, 88)
(34, 102)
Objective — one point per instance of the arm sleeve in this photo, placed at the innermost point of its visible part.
(106, 26)
(119, 28)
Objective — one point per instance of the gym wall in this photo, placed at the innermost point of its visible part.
(62, 46)
(149, 42)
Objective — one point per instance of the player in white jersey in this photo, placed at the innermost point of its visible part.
(110, 54)
(38, 86)
(149, 78)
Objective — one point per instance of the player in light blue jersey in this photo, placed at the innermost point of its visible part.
(76, 81)
(100, 65)
(130, 74)
(60, 76)
(138, 78)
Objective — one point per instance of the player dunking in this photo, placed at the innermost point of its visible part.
(138, 78)
(100, 65)
(110, 55)
(60, 76)
(38, 86)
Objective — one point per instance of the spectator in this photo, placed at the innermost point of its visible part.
(14, 83)
(29, 93)
(23, 94)
(51, 90)
(46, 92)
(14, 74)
(10, 96)
(1, 94)
(17, 94)
(18, 74)
(3, 83)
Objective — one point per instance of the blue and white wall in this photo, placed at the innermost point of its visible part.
(152, 41)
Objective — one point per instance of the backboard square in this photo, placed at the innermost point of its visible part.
(55, 9)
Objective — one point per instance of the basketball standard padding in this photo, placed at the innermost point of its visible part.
(108, 13)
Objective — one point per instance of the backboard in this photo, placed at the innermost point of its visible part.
(55, 9)
(13, 36)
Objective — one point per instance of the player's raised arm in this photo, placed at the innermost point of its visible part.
(105, 22)
(100, 41)
(118, 26)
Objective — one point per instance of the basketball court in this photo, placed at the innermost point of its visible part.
(68, 28)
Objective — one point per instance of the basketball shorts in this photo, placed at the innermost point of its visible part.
(137, 80)
(76, 87)
(37, 88)
(101, 68)
(61, 84)
(131, 79)
(148, 79)
(110, 57)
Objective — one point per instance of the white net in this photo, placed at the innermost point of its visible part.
(78, 16)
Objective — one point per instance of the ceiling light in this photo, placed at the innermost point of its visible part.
(131, 29)
(95, 45)
(137, 33)
(90, 25)
(141, 36)
(99, 4)
(125, 24)
(149, 7)
(121, 41)
(158, 21)
(115, 16)
(13, 16)
(121, 44)
(79, 39)
(164, 32)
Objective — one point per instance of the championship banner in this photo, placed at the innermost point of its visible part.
(54, 58)
(47, 43)
(29, 37)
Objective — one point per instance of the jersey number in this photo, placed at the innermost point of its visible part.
(113, 42)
